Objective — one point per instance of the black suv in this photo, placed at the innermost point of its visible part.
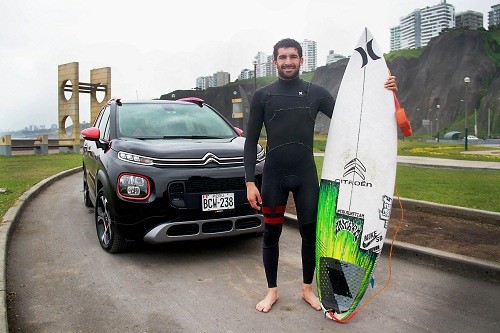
(161, 171)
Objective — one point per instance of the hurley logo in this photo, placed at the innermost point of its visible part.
(369, 50)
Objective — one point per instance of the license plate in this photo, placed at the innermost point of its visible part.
(217, 201)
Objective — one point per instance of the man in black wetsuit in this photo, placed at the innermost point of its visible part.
(288, 109)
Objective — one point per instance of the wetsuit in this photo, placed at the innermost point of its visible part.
(288, 109)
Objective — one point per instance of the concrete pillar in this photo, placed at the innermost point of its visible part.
(42, 145)
(69, 107)
(102, 78)
(5, 145)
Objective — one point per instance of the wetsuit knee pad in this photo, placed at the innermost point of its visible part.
(308, 233)
(272, 233)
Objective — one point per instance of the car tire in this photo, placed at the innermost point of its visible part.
(111, 241)
(86, 196)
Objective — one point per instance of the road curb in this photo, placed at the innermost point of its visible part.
(481, 216)
(9, 221)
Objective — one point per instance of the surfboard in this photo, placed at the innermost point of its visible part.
(357, 182)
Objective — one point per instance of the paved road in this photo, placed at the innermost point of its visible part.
(58, 279)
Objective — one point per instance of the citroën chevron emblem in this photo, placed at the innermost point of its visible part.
(355, 166)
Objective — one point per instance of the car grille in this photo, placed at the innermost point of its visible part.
(214, 184)
(207, 160)
(205, 228)
(212, 227)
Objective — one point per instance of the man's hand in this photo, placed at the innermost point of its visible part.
(253, 196)
(391, 84)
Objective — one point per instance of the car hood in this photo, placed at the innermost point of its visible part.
(181, 148)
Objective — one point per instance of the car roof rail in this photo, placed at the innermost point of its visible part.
(195, 100)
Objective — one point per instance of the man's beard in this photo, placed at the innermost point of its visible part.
(290, 75)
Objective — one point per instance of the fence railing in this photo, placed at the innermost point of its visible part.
(39, 146)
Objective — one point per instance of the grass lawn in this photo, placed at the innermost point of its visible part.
(470, 188)
(19, 173)
(459, 187)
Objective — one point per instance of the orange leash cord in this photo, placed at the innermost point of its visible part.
(354, 313)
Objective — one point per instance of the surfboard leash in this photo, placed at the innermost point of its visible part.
(330, 314)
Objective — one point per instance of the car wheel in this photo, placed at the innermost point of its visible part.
(109, 238)
(86, 197)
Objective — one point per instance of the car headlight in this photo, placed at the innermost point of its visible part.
(133, 187)
(133, 158)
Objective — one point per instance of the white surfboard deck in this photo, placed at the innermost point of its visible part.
(360, 160)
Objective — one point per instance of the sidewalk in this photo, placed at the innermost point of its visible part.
(442, 162)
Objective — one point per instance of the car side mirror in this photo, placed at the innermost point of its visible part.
(91, 133)
(94, 134)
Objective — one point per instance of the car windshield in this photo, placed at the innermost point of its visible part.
(171, 120)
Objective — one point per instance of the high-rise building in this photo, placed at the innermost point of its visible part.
(246, 74)
(395, 38)
(410, 31)
(332, 57)
(218, 79)
(469, 20)
(309, 53)
(221, 78)
(262, 67)
(419, 27)
(435, 19)
(202, 82)
(494, 16)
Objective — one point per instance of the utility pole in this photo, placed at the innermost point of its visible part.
(437, 121)
(466, 81)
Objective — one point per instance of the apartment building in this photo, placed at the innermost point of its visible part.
(333, 57)
(435, 19)
(396, 38)
(309, 53)
(218, 79)
(410, 31)
(469, 20)
(419, 27)
(246, 74)
(494, 16)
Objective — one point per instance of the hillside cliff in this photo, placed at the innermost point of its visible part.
(436, 77)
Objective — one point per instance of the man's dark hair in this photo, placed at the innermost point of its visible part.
(285, 43)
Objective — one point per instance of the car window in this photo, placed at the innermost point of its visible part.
(104, 124)
(98, 119)
(173, 120)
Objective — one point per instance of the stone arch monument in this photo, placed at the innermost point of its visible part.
(69, 89)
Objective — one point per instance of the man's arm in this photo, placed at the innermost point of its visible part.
(255, 121)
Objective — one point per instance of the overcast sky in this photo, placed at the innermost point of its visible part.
(154, 47)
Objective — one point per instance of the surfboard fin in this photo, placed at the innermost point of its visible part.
(372, 282)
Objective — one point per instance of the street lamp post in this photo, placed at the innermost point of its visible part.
(466, 81)
(430, 124)
(437, 121)
(254, 76)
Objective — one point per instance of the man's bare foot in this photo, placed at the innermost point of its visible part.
(309, 297)
(266, 304)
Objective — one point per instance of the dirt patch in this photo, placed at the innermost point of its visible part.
(460, 235)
